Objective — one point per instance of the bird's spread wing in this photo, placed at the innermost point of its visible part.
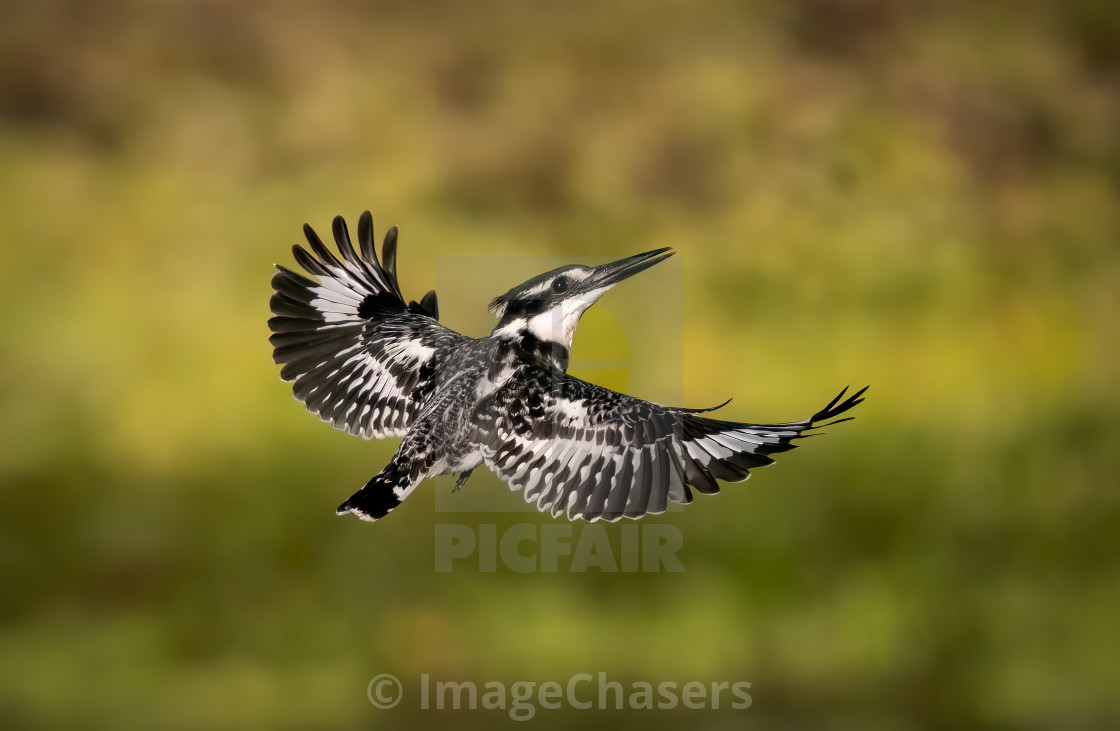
(596, 454)
(359, 356)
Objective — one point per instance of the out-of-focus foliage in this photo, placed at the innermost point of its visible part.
(922, 196)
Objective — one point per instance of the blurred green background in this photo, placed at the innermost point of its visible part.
(921, 196)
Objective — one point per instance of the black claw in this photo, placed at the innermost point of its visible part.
(462, 480)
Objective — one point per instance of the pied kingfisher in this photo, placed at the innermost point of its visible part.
(364, 360)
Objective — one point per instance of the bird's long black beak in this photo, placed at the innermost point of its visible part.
(611, 274)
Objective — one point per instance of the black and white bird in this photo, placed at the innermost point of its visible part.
(370, 363)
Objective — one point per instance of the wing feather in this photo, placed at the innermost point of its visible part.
(355, 353)
(600, 455)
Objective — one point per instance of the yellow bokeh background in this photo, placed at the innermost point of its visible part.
(920, 196)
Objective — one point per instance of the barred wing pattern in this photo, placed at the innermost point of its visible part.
(596, 454)
(359, 357)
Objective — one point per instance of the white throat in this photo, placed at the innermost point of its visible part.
(557, 325)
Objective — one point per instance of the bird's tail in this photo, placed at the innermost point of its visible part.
(381, 494)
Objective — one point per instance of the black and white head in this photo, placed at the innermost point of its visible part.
(548, 306)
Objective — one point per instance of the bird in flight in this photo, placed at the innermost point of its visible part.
(368, 362)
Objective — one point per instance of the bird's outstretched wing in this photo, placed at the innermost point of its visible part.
(596, 454)
(359, 356)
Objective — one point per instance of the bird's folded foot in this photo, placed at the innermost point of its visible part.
(462, 480)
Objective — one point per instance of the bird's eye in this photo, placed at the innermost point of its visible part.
(560, 284)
